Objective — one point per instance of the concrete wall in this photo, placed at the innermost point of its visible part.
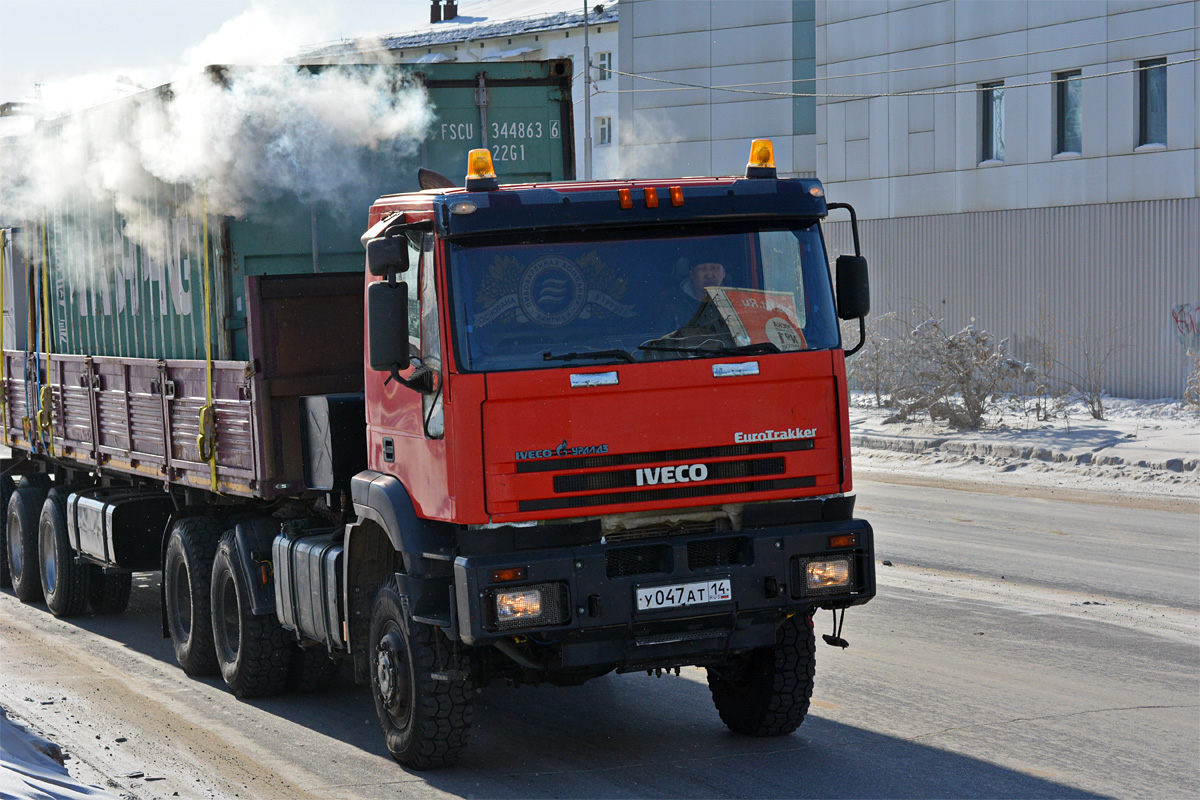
(755, 48)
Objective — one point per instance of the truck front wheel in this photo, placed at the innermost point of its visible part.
(421, 686)
(64, 580)
(766, 692)
(252, 650)
(21, 526)
(187, 580)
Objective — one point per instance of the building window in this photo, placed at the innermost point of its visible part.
(603, 130)
(604, 66)
(1068, 88)
(1152, 101)
(992, 117)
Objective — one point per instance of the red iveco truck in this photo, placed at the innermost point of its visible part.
(603, 427)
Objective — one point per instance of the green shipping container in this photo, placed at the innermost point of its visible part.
(110, 296)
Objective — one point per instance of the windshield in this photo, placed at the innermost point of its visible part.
(686, 295)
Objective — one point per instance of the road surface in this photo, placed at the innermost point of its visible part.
(1021, 645)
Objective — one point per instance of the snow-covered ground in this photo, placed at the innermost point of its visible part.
(1149, 448)
(32, 768)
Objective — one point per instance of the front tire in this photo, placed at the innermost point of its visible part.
(766, 692)
(425, 720)
(253, 651)
(64, 580)
(187, 580)
(22, 527)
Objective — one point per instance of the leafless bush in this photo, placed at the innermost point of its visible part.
(873, 369)
(956, 377)
(1191, 394)
(1084, 366)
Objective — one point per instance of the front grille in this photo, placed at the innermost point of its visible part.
(688, 528)
(722, 470)
(717, 552)
(621, 562)
(681, 491)
(688, 454)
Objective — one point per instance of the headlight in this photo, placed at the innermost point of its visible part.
(529, 606)
(826, 575)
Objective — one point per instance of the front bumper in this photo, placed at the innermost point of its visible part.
(598, 622)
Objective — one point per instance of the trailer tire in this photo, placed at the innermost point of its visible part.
(425, 719)
(253, 651)
(6, 490)
(187, 578)
(313, 670)
(21, 523)
(767, 691)
(108, 592)
(64, 579)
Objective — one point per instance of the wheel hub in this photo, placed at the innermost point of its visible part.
(390, 672)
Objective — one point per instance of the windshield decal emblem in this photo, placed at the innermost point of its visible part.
(562, 451)
(551, 292)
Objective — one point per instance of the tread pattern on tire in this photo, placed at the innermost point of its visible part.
(771, 692)
(24, 507)
(70, 595)
(194, 539)
(442, 712)
(7, 487)
(264, 651)
(108, 592)
(312, 670)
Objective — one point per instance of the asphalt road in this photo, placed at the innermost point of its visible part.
(1020, 646)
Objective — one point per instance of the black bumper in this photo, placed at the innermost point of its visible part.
(591, 592)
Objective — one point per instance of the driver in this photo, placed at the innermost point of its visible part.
(691, 292)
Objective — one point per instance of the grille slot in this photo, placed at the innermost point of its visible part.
(689, 454)
(717, 552)
(674, 493)
(621, 562)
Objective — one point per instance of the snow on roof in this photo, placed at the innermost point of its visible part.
(481, 19)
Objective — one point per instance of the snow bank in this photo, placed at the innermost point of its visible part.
(31, 768)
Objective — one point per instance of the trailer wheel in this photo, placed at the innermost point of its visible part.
(766, 692)
(425, 719)
(187, 578)
(108, 592)
(6, 490)
(64, 579)
(312, 670)
(253, 651)
(22, 526)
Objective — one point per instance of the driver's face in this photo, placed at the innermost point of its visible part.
(707, 274)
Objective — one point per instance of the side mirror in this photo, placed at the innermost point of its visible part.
(387, 326)
(853, 287)
(387, 254)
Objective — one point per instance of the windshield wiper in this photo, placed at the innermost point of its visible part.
(743, 350)
(621, 354)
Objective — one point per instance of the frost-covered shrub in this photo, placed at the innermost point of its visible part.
(873, 368)
(956, 377)
(1191, 393)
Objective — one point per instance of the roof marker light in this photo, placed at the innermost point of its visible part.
(481, 175)
(651, 197)
(762, 159)
(626, 198)
(676, 195)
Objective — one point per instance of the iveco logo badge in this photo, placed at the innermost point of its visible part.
(562, 451)
(680, 473)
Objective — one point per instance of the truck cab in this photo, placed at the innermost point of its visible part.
(606, 429)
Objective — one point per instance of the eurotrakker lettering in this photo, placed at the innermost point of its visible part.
(773, 436)
(678, 473)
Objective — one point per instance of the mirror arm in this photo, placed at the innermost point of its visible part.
(422, 379)
(862, 337)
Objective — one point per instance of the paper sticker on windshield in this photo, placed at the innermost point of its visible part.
(551, 291)
(755, 317)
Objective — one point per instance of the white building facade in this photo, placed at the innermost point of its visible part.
(1029, 167)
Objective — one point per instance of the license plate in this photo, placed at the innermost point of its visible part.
(650, 598)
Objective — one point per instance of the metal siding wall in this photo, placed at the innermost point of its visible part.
(1096, 272)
